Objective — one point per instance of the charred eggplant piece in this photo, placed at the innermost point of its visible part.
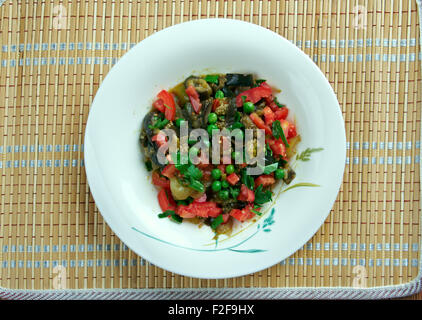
(206, 110)
(221, 82)
(148, 123)
(228, 92)
(230, 116)
(290, 174)
(194, 119)
(239, 80)
(201, 86)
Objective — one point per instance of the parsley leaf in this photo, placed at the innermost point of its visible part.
(173, 215)
(261, 196)
(258, 82)
(212, 78)
(279, 133)
(271, 168)
(148, 165)
(247, 180)
(217, 221)
(166, 213)
(278, 103)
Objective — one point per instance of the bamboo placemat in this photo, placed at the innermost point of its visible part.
(55, 54)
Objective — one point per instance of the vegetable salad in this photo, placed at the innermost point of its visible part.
(218, 194)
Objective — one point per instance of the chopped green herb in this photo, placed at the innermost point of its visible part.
(176, 218)
(223, 194)
(166, 214)
(282, 163)
(148, 164)
(160, 124)
(196, 185)
(306, 155)
(278, 103)
(234, 192)
(258, 82)
(243, 98)
(247, 180)
(236, 125)
(212, 78)
(237, 116)
(217, 221)
(261, 196)
(256, 212)
(270, 168)
(193, 172)
(279, 133)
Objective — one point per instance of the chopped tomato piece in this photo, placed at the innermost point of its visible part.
(168, 103)
(159, 105)
(167, 98)
(159, 181)
(199, 209)
(266, 180)
(285, 126)
(246, 194)
(281, 113)
(226, 218)
(269, 116)
(277, 146)
(170, 113)
(165, 200)
(194, 98)
(191, 92)
(169, 170)
(215, 104)
(270, 103)
(243, 214)
(233, 178)
(260, 123)
(254, 94)
(202, 198)
(291, 131)
(159, 138)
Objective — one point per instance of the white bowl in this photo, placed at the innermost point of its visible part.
(121, 186)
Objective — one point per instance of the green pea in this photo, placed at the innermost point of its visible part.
(279, 174)
(224, 184)
(211, 127)
(178, 122)
(235, 193)
(230, 169)
(219, 94)
(216, 174)
(248, 107)
(223, 194)
(212, 118)
(216, 186)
